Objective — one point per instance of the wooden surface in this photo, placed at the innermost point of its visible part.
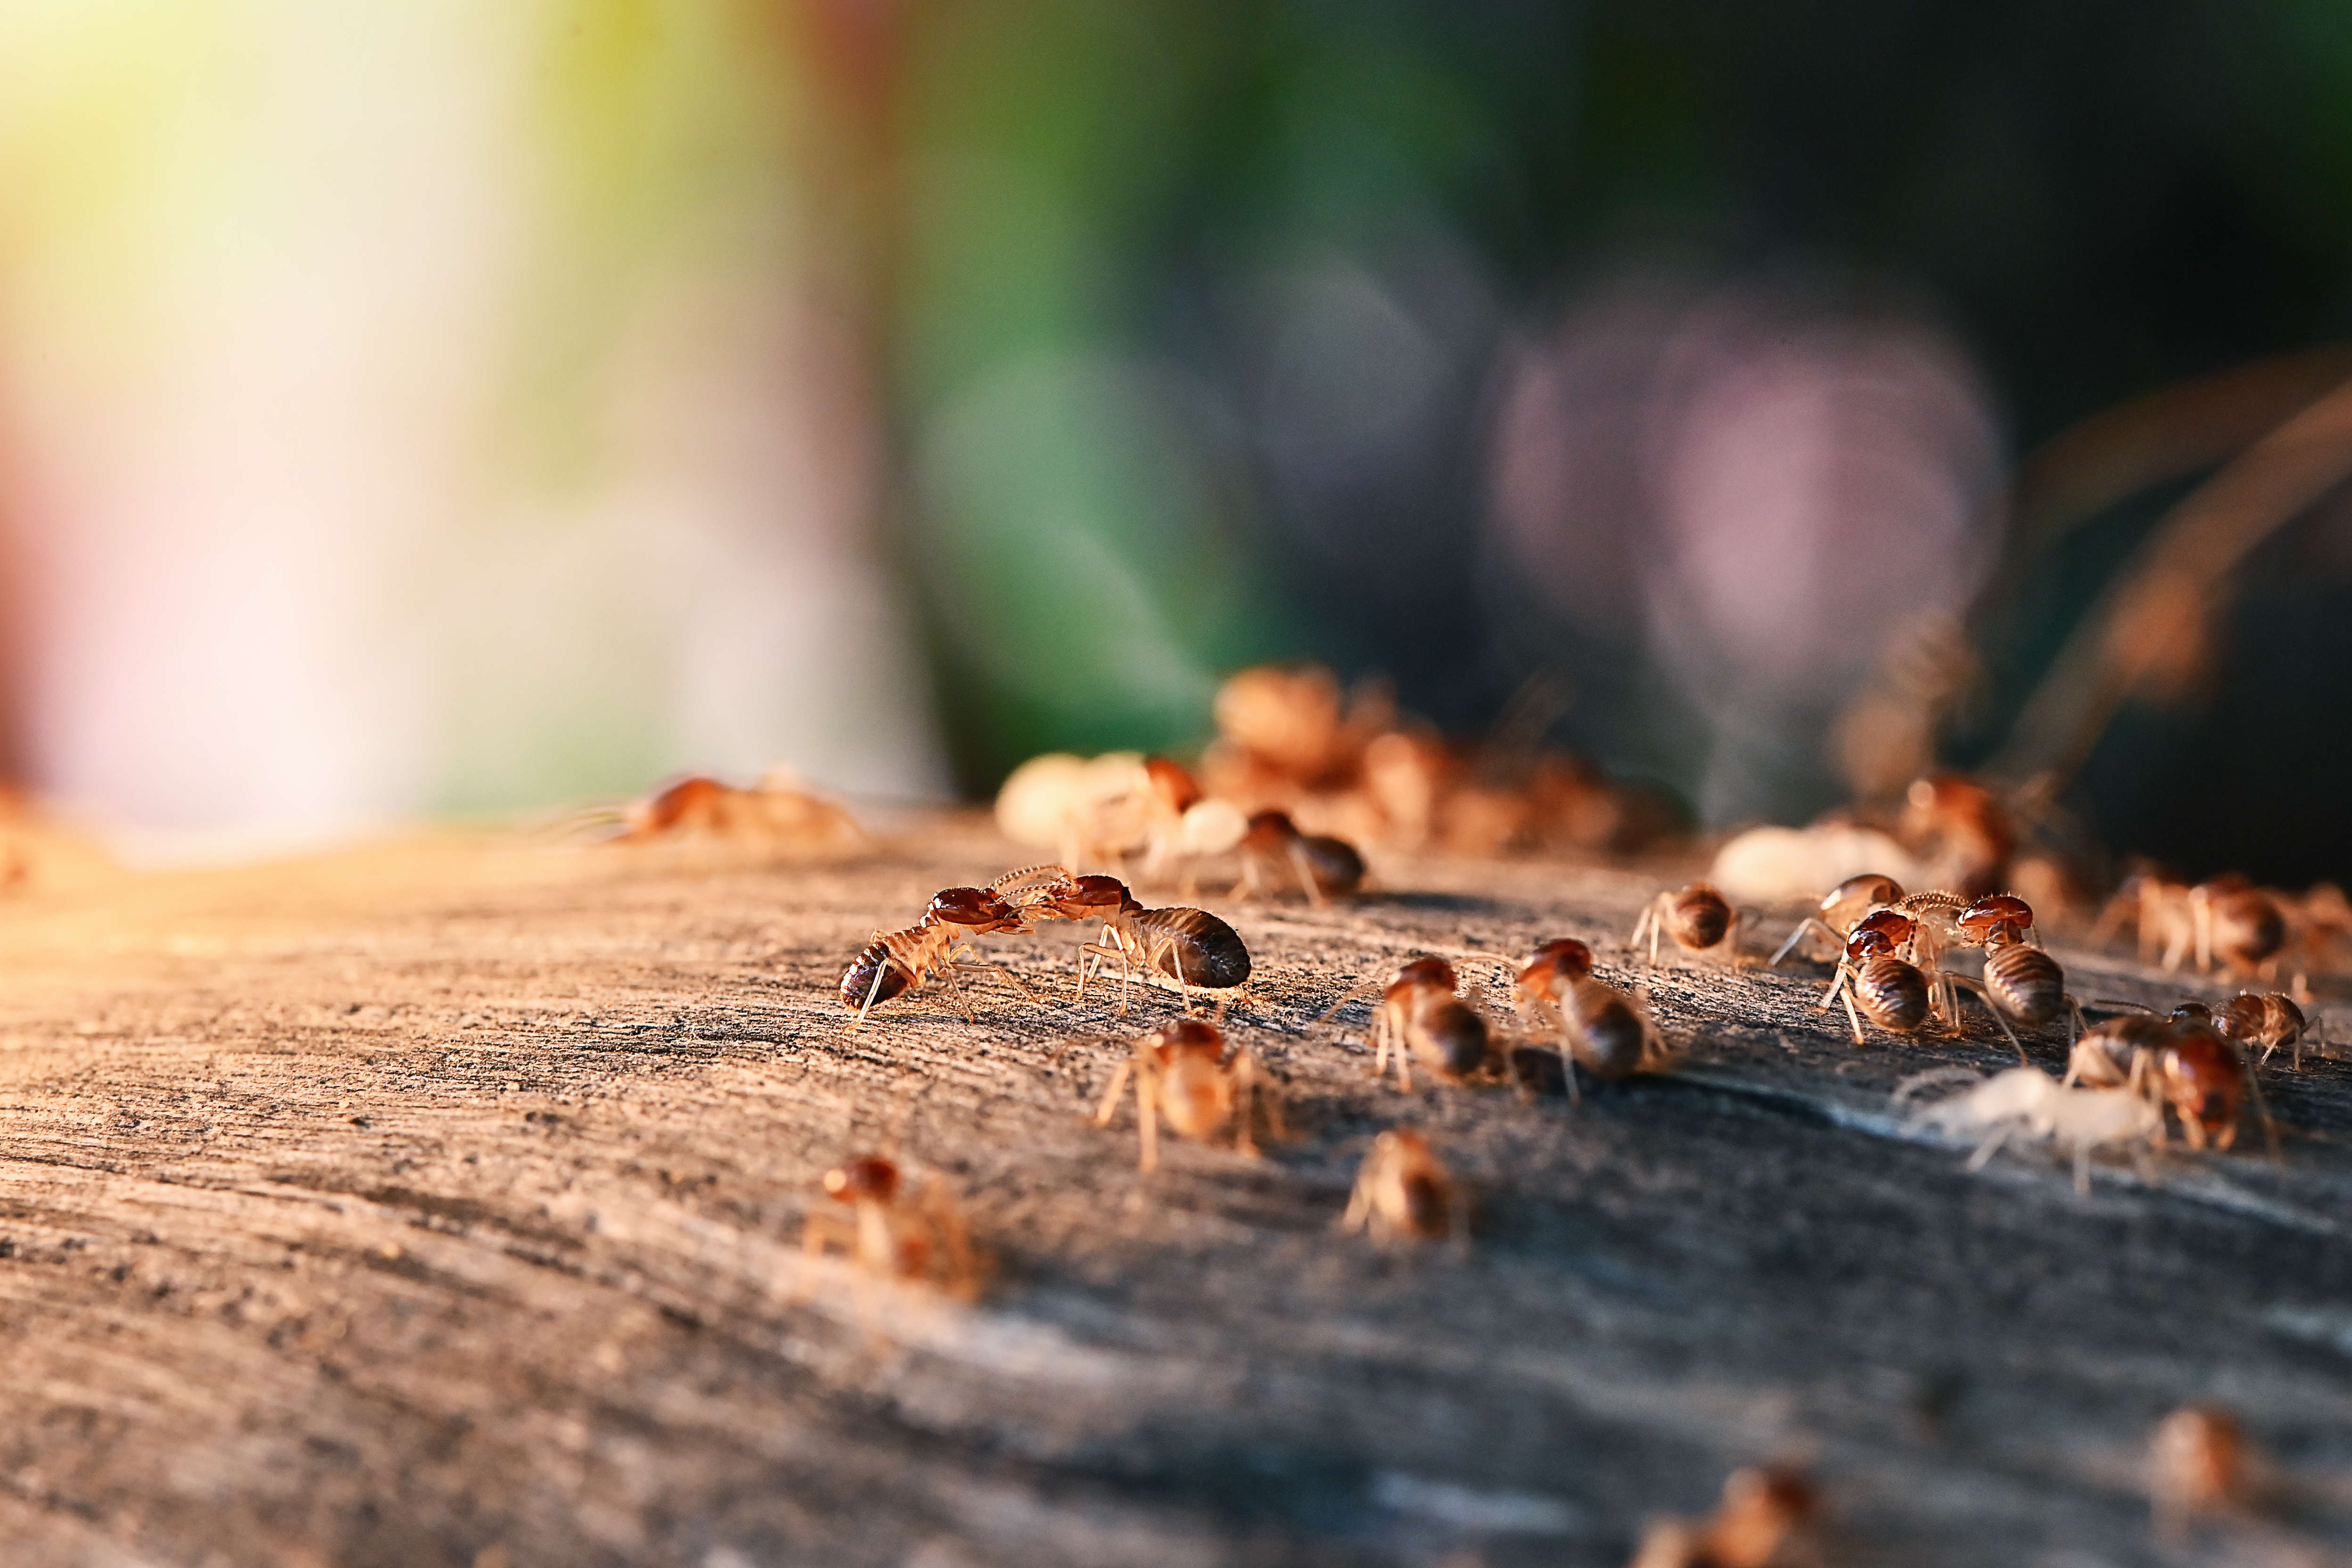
(441, 1204)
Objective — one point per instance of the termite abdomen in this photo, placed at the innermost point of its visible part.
(1199, 949)
(1892, 994)
(1452, 1039)
(1610, 1035)
(858, 983)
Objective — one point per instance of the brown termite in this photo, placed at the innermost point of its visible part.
(1420, 1016)
(897, 961)
(1193, 947)
(1764, 1515)
(2197, 1462)
(1404, 1193)
(917, 1238)
(2269, 1021)
(1698, 918)
(773, 815)
(1599, 1026)
(2159, 908)
(1889, 991)
(2238, 926)
(2182, 1064)
(1277, 857)
(1182, 1072)
(2024, 982)
(1842, 907)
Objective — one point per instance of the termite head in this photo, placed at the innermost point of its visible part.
(871, 974)
(1174, 790)
(1761, 1508)
(1187, 1037)
(1892, 927)
(2003, 933)
(868, 1178)
(668, 808)
(2192, 1012)
(1855, 897)
(1421, 972)
(1994, 910)
(1552, 968)
(2197, 1460)
(2203, 1080)
(1085, 899)
(977, 909)
(1269, 832)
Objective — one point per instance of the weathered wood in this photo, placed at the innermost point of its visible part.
(442, 1204)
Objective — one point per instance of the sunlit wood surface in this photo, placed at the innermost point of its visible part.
(441, 1204)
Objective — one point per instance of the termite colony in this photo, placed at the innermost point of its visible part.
(1302, 789)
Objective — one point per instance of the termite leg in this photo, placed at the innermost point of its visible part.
(871, 991)
(1997, 1016)
(1147, 1114)
(1852, 1017)
(1299, 863)
(1808, 924)
(1111, 1099)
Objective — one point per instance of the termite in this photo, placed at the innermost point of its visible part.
(915, 1237)
(1180, 1072)
(1599, 1026)
(1193, 947)
(1403, 1191)
(1842, 907)
(1890, 992)
(897, 961)
(1698, 920)
(1277, 856)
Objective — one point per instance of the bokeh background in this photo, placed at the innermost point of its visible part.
(440, 409)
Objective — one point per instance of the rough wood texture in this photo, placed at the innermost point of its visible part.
(442, 1205)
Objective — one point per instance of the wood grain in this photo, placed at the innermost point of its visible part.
(440, 1202)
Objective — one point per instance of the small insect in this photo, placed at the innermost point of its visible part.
(2027, 1102)
(2197, 1462)
(2238, 926)
(1182, 824)
(2202, 1079)
(1404, 1193)
(1698, 920)
(897, 961)
(773, 815)
(1842, 907)
(917, 1238)
(1180, 1072)
(2159, 908)
(2114, 1053)
(1764, 1515)
(1277, 857)
(2024, 982)
(1890, 992)
(1599, 1026)
(2269, 1021)
(1191, 947)
(1420, 1015)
